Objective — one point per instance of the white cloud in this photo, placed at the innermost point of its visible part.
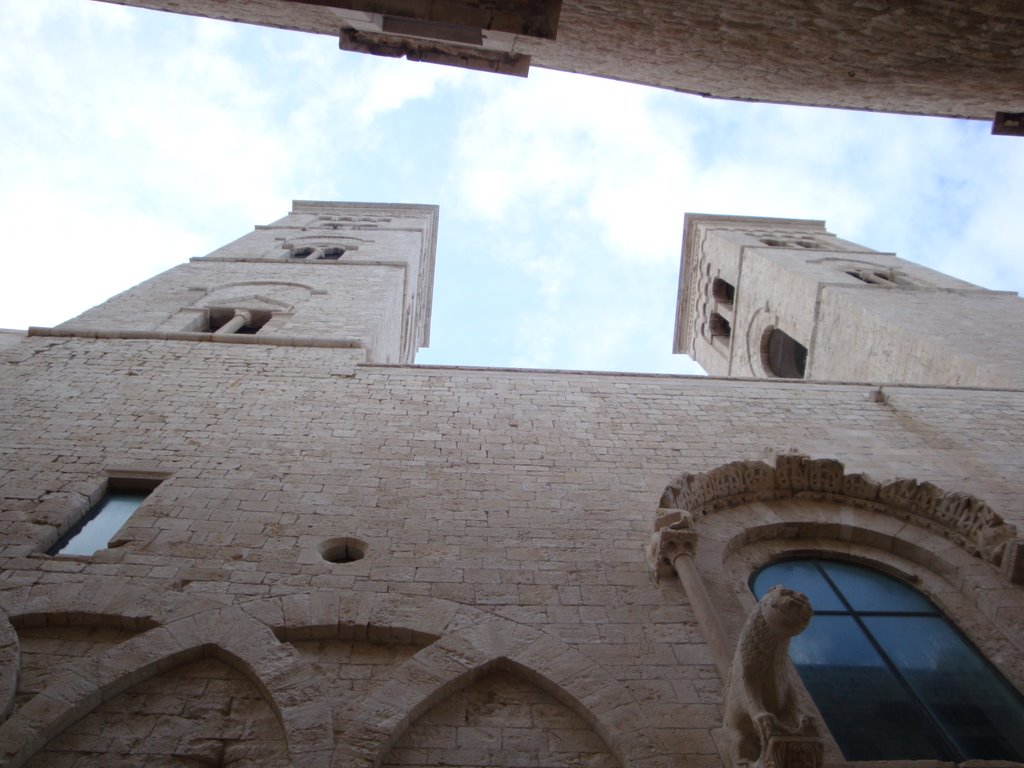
(67, 254)
(179, 134)
(388, 85)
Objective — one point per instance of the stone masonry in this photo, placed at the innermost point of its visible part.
(861, 315)
(936, 57)
(348, 562)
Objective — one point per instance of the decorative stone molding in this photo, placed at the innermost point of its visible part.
(764, 725)
(959, 517)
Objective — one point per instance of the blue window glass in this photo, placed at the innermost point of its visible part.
(95, 529)
(892, 677)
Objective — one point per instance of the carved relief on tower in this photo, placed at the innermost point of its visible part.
(715, 298)
(319, 248)
(257, 295)
(702, 296)
(790, 239)
(335, 222)
(871, 272)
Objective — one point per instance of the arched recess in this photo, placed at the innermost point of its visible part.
(300, 290)
(274, 301)
(715, 529)
(50, 643)
(459, 658)
(203, 711)
(284, 679)
(502, 715)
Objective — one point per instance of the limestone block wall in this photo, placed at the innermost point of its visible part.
(965, 338)
(366, 231)
(503, 517)
(785, 257)
(325, 301)
(354, 274)
(201, 713)
(862, 315)
(940, 57)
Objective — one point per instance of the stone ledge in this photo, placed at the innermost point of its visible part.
(235, 338)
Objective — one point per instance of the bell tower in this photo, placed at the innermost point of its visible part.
(351, 275)
(786, 298)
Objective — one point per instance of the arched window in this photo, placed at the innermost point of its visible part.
(784, 356)
(720, 326)
(723, 291)
(891, 676)
(873, 276)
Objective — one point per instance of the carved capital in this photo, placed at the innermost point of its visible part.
(794, 752)
(668, 544)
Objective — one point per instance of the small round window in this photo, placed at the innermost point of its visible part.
(344, 549)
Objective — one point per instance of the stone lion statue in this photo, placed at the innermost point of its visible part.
(760, 702)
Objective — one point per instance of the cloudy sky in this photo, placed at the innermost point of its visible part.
(132, 140)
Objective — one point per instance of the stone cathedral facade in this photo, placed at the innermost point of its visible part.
(239, 527)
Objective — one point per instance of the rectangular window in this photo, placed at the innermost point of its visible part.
(92, 533)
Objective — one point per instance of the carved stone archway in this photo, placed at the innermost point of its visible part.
(715, 529)
(963, 519)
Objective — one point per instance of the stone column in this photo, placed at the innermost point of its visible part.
(672, 551)
(241, 319)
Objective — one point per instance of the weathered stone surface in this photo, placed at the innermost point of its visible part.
(490, 551)
(939, 57)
